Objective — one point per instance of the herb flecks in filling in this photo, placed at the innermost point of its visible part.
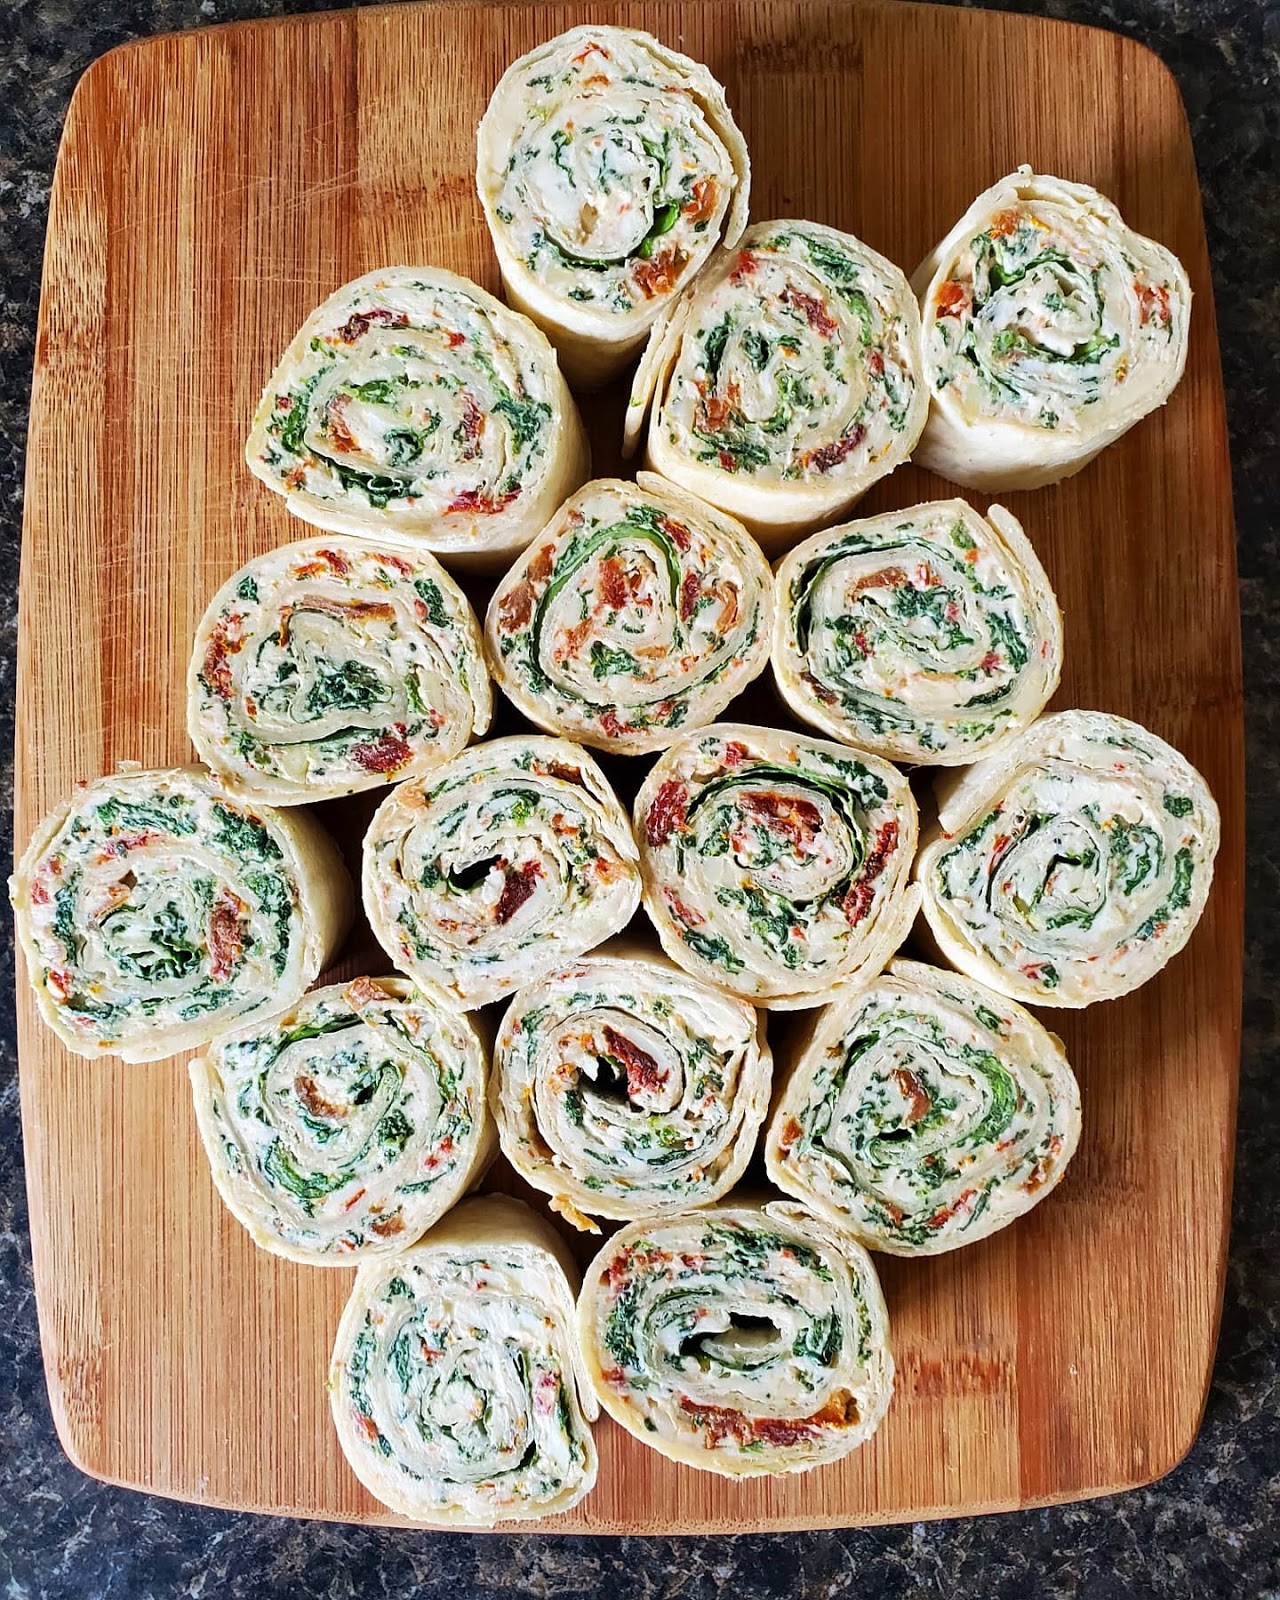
(926, 635)
(920, 1118)
(607, 172)
(778, 862)
(1081, 881)
(635, 614)
(411, 395)
(797, 366)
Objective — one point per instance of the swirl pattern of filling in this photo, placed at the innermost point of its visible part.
(637, 612)
(743, 1340)
(1073, 864)
(609, 168)
(626, 1088)
(345, 1126)
(1050, 328)
(454, 1383)
(330, 666)
(923, 1113)
(155, 911)
(777, 865)
(498, 867)
(412, 404)
(785, 381)
(927, 635)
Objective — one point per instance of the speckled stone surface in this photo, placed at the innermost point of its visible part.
(1212, 1528)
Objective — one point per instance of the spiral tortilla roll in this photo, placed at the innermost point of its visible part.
(638, 611)
(743, 1340)
(413, 405)
(927, 635)
(155, 912)
(609, 167)
(455, 1384)
(785, 381)
(345, 1126)
(510, 860)
(623, 1087)
(776, 865)
(1050, 328)
(331, 666)
(923, 1113)
(1073, 864)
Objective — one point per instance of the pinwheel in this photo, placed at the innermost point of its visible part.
(785, 381)
(455, 1382)
(498, 867)
(609, 167)
(636, 612)
(1050, 328)
(330, 666)
(743, 1340)
(414, 405)
(927, 635)
(625, 1088)
(1073, 864)
(346, 1125)
(923, 1113)
(156, 911)
(776, 865)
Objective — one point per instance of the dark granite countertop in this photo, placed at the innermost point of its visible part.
(1212, 1528)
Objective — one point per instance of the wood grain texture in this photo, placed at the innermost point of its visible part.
(211, 189)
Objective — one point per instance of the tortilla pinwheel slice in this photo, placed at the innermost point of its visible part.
(330, 666)
(609, 168)
(785, 381)
(743, 1340)
(414, 406)
(1050, 329)
(777, 865)
(1073, 864)
(623, 1087)
(498, 867)
(637, 612)
(928, 635)
(345, 1126)
(156, 911)
(456, 1385)
(924, 1113)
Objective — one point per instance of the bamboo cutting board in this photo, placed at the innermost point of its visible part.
(210, 190)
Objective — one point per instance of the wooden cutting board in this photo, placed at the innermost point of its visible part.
(211, 189)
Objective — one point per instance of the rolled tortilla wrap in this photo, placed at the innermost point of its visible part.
(412, 405)
(498, 867)
(744, 1340)
(609, 168)
(625, 1088)
(928, 635)
(455, 1383)
(776, 865)
(785, 380)
(333, 665)
(155, 912)
(923, 1113)
(1073, 864)
(637, 612)
(345, 1126)
(1050, 328)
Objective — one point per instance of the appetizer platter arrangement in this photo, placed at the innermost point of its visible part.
(600, 780)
